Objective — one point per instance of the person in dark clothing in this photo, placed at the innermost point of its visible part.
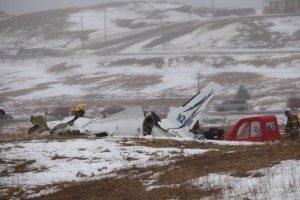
(78, 112)
(213, 134)
(2, 113)
(292, 121)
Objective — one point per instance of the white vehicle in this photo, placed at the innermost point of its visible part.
(134, 122)
(231, 105)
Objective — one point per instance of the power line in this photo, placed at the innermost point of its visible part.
(162, 32)
(105, 36)
(82, 34)
(212, 8)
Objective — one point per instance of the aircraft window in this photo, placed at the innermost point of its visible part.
(243, 131)
(255, 129)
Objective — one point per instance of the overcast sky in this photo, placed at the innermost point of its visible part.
(26, 6)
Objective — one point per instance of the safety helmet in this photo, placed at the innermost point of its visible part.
(79, 107)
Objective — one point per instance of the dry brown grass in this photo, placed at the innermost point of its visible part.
(17, 137)
(127, 188)
(239, 77)
(58, 157)
(158, 62)
(237, 163)
(24, 137)
(12, 191)
(23, 167)
(167, 143)
(136, 82)
(62, 67)
(20, 166)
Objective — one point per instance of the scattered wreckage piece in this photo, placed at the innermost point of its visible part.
(39, 125)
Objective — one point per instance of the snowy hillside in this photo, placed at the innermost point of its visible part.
(42, 61)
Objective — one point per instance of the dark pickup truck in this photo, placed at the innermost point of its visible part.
(293, 103)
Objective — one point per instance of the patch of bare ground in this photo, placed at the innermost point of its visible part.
(11, 192)
(62, 67)
(21, 92)
(79, 80)
(140, 82)
(239, 77)
(271, 62)
(237, 163)
(24, 137)
(58, 157)
(167, 143)
(129, 82)
(157, 62)
(23, 167)
(127, 188)
(257, 35)
(189, 59)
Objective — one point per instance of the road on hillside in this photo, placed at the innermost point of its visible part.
(172, 31)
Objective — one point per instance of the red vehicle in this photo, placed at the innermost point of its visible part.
(256, 129)
(293, 103)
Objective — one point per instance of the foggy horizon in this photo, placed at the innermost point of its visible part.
(17, 7)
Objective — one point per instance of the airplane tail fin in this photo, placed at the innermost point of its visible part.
(187, 115)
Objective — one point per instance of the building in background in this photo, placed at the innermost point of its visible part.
(281, 6)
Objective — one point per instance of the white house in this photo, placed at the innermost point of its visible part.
(281, 6)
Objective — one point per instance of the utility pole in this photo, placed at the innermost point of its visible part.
(212, 8)
(162, 32)
(82, 34)
(105, 39)
(198, 78)
(190, 13)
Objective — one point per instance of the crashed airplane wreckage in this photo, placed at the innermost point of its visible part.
(134, 122)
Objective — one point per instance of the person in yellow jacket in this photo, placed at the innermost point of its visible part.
(78, 112)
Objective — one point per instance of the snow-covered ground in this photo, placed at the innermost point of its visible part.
(37, 163)
(78, 160)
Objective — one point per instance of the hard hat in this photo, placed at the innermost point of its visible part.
(79, 107)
